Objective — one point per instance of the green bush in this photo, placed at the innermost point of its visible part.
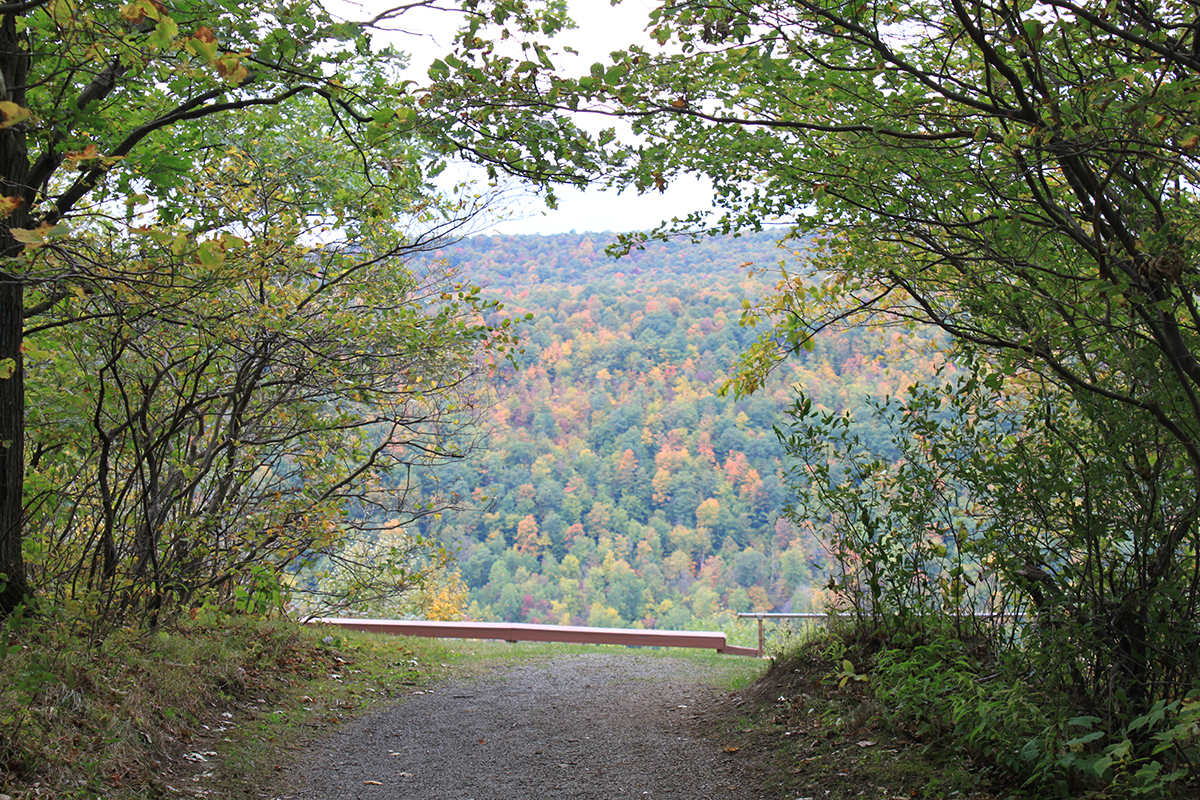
(959, 697)
(944, 693)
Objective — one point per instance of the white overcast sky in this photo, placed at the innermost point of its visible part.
(602, 28)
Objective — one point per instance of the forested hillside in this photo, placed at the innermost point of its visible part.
(619, 486)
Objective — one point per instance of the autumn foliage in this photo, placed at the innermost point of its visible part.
(622, 487)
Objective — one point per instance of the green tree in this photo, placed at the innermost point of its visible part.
(136, 196)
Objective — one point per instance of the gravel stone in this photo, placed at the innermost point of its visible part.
(594, 726)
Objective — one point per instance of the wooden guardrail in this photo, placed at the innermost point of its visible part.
(524, 632)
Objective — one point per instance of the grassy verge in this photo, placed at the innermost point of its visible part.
(812, 730)
(141, 714)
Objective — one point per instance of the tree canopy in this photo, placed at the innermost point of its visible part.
(218, 360)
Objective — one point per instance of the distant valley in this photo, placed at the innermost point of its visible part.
(618, 487)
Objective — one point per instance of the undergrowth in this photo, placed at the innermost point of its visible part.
(962, 698)
(970, 699)
(814, 729)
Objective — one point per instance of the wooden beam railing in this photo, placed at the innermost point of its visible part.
(523, 632)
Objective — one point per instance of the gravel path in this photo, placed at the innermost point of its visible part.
(595, 726)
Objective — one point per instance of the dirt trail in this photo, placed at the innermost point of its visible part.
(597, 726)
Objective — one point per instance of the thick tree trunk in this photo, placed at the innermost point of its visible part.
(14, 171)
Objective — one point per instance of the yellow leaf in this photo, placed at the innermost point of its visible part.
(9, 204)
(202, 43)
(86, 154)
(211, 254)
(138, 10)
(7, 367)
(29, 237)
(158, 235)
(58, 231)
(13, 114)
(229, 67)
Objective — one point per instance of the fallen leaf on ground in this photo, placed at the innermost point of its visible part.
(731, 748)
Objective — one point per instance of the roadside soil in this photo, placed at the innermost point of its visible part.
(598, 726)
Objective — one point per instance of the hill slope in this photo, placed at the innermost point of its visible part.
(619, 487)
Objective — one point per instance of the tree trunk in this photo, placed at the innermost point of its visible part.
(14, 171)
(12, 450)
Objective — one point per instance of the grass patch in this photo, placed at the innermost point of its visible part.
(481, 656)
(268, 733)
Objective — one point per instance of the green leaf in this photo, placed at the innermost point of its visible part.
(165, 33)
(211, 254)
